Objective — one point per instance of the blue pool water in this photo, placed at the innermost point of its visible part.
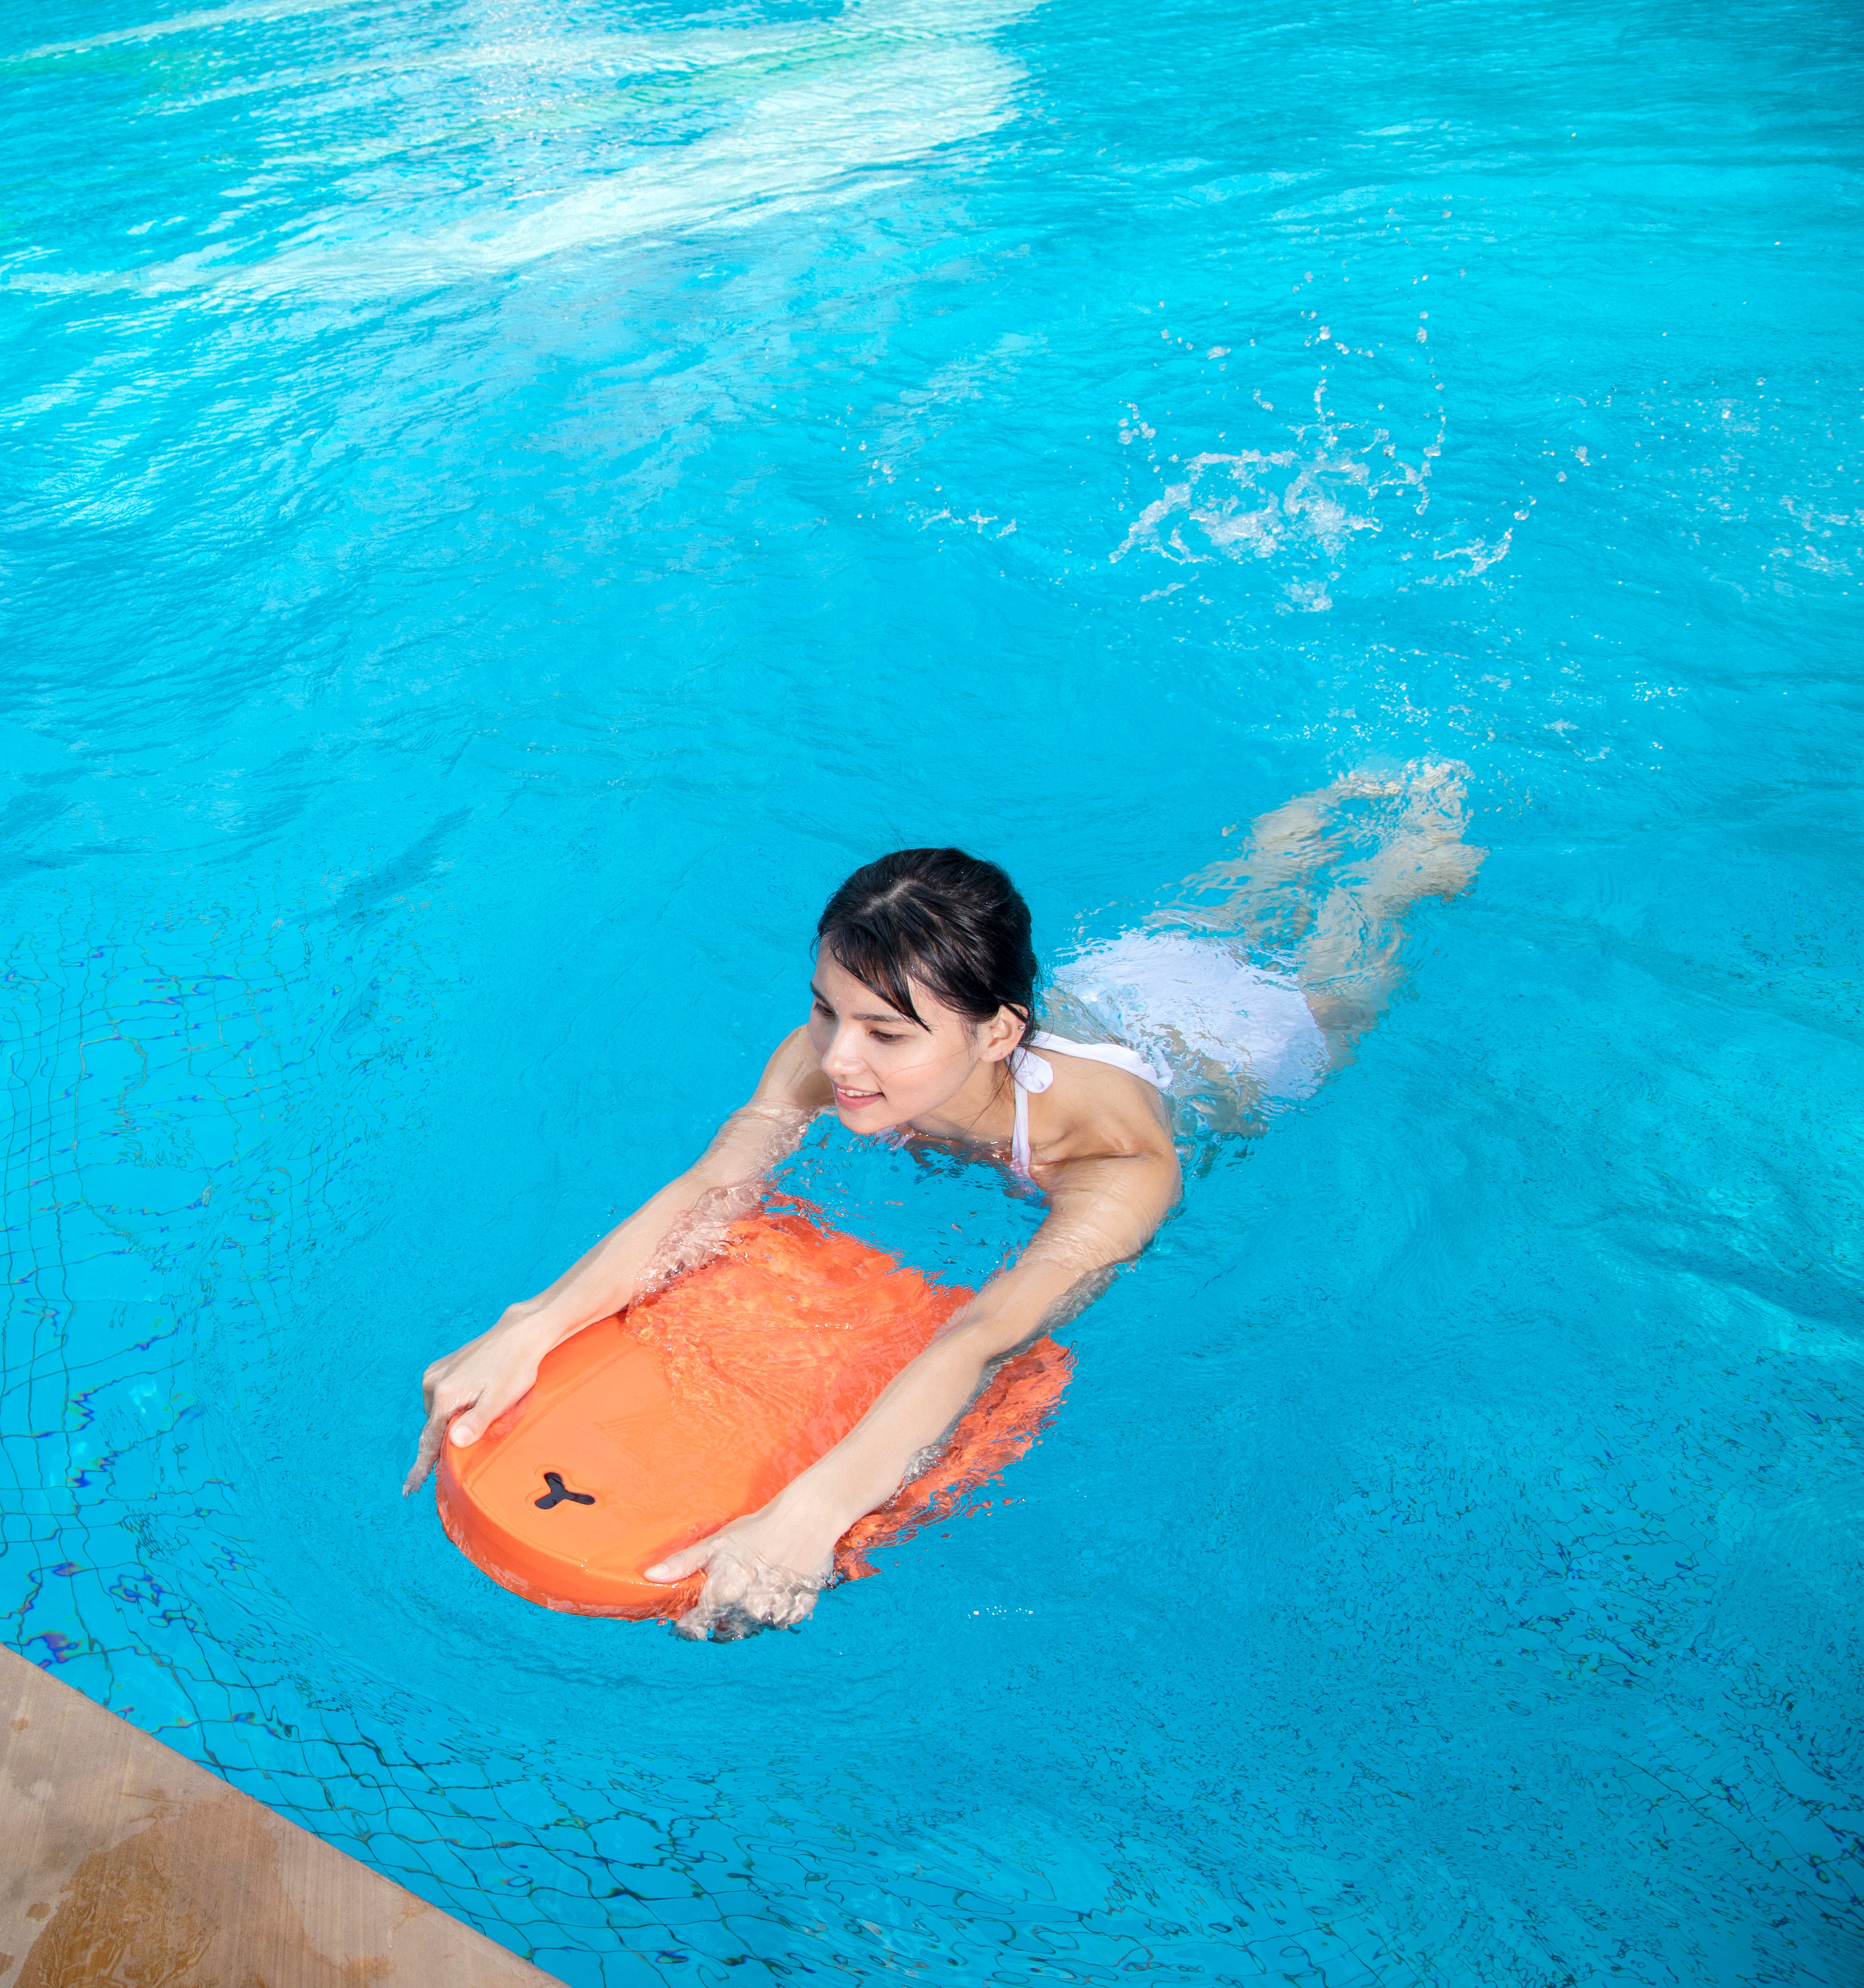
(504, 504)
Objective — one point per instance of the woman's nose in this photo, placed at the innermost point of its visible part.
(839, 1058)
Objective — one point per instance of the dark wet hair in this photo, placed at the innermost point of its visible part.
(953, 922)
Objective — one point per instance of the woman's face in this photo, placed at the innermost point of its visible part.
(888, 1070)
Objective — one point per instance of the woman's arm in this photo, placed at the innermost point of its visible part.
(769, 1567)
(468, 1389)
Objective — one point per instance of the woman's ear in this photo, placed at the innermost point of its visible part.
(999, 1035)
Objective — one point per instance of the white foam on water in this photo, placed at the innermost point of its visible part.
(204, 20)
(818, 113)
(595, 57)
(1481, 555)
(1253, 503)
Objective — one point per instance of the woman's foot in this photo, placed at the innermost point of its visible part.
(1351, 958)
(1389, 838)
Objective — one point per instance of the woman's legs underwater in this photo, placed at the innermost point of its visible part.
(1324, 881)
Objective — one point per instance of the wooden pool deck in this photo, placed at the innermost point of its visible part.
(122, 1863)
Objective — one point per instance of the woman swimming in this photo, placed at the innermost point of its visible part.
(922, 1027)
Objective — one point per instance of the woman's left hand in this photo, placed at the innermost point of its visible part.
(763, 1572)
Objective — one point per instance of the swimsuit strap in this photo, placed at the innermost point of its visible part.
(1117, 1054)
(1031, 1071)
(1019, 1136)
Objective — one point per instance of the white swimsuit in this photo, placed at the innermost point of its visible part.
(1035, 1073)
(1191, 1002)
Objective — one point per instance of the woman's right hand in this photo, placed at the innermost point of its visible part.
(470, 1389)
(467, 1390)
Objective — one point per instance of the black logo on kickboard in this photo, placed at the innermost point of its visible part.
(557, 1495)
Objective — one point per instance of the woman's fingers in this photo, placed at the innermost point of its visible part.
(469, 1424)
(677, 1566)
(794, 1603)
(743, 1593)
(431, 1437)
(475, 1409)
(718, 1602)
(450, 1416)
(461, 1413)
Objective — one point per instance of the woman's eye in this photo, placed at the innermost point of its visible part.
(879, 1038)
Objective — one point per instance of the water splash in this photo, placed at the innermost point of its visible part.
(1304, 505)
(1309, 506)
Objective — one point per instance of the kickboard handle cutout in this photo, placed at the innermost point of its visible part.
(556, 1495)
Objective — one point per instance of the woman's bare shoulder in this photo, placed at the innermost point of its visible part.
(1095, 1111)
(793, 1076)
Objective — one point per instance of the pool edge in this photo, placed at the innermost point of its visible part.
(117, 1845)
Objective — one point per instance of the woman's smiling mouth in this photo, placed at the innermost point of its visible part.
(856, 1100)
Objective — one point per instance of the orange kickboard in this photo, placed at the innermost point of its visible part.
(653, 1428)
